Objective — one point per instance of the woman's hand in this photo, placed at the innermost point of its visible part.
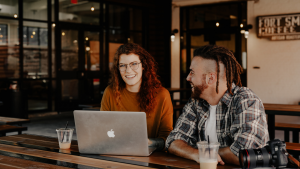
(149, 142)
(159, 143)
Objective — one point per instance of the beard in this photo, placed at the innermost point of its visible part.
(198, 90)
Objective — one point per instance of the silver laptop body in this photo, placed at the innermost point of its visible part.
(112, 132)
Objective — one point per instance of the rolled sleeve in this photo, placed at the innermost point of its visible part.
(185, 128)
(249, 129)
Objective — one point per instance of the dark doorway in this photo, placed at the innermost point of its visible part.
(216, 24)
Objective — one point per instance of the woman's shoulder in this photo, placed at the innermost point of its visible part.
(108, 89)
(162, 92)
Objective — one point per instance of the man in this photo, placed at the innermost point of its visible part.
(219, 108)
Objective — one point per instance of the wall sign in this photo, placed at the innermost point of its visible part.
(279, 27)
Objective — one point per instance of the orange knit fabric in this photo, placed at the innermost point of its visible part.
(160, 122)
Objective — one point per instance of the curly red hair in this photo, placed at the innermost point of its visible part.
(150, 83)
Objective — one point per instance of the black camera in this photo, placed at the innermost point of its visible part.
(274, 154)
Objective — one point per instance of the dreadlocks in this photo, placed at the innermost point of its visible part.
(220, 54)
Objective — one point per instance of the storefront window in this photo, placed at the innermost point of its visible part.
(92, 52)
(35, 9)
(69, 50)
(79, 30)
(9, 8)
(9, 49)
(37, 94)
(3, 34)
(80, 12)
(207, 16)
(136, 19)
(135, 37)
(214, 24)
(35, 38)
(69, 89)
(118, 17)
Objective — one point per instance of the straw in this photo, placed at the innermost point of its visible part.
(208, 145)
(64, 132)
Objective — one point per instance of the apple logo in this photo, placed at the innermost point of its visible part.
(111, 133)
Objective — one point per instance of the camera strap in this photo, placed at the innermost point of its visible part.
(294, 161)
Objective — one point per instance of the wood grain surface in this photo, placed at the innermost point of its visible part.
(282, 107)
(61, 157)
(43, 144)
(11, 120)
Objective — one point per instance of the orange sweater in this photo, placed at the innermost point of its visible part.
(160, 122)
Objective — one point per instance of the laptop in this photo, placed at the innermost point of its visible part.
(112, 132)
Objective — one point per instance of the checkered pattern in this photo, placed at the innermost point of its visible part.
(241, 121)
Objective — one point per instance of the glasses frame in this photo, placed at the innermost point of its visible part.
(129, 66)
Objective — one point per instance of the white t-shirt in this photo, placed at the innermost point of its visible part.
(210, 125)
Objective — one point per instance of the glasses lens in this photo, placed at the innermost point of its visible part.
(122, 68)
(134, 65)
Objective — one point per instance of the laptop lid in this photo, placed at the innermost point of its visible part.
(112, 132)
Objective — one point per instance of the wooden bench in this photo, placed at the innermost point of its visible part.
(279, 109)
(293, 149)
(286, 127)
(9, 128)
(12, 120)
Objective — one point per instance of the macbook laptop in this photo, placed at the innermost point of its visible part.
(112, 132)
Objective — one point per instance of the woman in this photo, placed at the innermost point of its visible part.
(134, 87)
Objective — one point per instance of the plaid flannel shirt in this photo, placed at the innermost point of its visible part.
(241, 121)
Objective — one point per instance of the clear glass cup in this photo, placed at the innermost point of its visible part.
(208, 154)
(64, 137)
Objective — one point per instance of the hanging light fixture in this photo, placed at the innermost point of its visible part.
(173, 35)
(53, 25)
(172, 38)
(63, 33)
(246, 34)
(92, 8)
(15, 15)
(217, 24)
(86, 38)
(241, 25)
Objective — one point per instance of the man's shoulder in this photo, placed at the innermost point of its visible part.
(245, 97)
(193, 104)
(244, 93)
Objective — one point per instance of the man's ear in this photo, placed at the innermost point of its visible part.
(211, 78)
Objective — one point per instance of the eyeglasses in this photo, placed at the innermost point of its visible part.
(133, 66)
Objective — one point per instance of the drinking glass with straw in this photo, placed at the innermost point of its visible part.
(64, 132)
(208, 154)
(64, 137)
(208, 145)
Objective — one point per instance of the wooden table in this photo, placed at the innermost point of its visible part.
(12, 120)
(25, 151)
(279, 109)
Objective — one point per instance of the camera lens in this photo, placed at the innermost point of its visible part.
(252, 158)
